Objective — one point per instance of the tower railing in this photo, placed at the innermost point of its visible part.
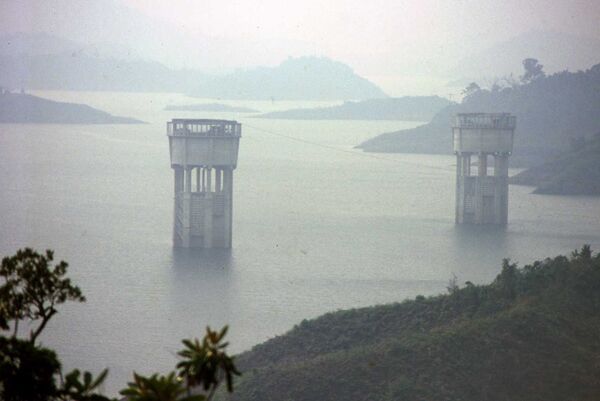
(485, 120)
(204, 128)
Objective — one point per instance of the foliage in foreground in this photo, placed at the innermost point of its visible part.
(532, 334)
(30, 290)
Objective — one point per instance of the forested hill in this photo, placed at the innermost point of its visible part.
(23, 108)
(532, 334)
(408, 108)
(551, 112)
(577, 172)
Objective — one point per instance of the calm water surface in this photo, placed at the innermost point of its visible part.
(317, 227)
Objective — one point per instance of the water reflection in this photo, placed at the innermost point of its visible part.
(202, 289)
(205, 260)
(479, 250)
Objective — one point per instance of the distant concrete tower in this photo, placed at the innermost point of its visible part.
(203, 156)
(482, 198)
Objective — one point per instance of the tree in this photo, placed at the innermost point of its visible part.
(533, 70)
(471, 89)
(157, 388)
(27, 372)
(32, 289)
(206, 364)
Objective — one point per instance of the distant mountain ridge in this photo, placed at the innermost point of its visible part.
(46, 62)
(303, 78)
(409, 108)
(551, 112)
(23, 108)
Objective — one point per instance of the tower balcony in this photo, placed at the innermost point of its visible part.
(204, 128)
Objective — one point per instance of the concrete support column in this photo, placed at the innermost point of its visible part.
(501, 165)
(186, 210)
(228, 209)
(466, 164)
(209, 179)
(218, 181)
(208, 210)
(198, 183)
(459, 172)
(482, 169)
(501, 188)
(178, 187)
(188, 179)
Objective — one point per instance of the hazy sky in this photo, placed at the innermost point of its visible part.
(385, 40)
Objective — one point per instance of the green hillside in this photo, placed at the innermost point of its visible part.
(551, 111)
(532, 334)
(575, 173)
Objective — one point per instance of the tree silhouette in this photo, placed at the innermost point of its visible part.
(533, 70)
(157, 388)
(206, 363)
(33, 288)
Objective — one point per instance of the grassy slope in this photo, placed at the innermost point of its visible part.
(550, 113)
(530, 335)
(575, 173)
(21, 108)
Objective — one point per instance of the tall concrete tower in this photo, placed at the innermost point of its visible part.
(203, 156)
(482, 198)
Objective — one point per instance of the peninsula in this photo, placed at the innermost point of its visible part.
(19, 108)
(417, 108)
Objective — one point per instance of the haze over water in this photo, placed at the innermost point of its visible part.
(317, 227)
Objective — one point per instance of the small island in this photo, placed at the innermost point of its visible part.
(21, 108)
(218, 107)
(408, 108)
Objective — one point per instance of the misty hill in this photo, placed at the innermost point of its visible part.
(80, 71)
(210, 107)
(558, 50)
(303, 78)
(418, 108)
(532, 334)
(575, 173)
(47, 62)
(551, 113)
(22, 108)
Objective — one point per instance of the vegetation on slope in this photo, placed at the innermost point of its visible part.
(575, 173)
(551, 112)
(23, 108)
(408, 108)
(532, 334)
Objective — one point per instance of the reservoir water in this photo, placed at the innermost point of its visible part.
(318, 227)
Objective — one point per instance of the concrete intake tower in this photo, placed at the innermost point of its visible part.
(481, 197)
(203, 156)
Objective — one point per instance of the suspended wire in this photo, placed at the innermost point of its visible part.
(355, 153)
